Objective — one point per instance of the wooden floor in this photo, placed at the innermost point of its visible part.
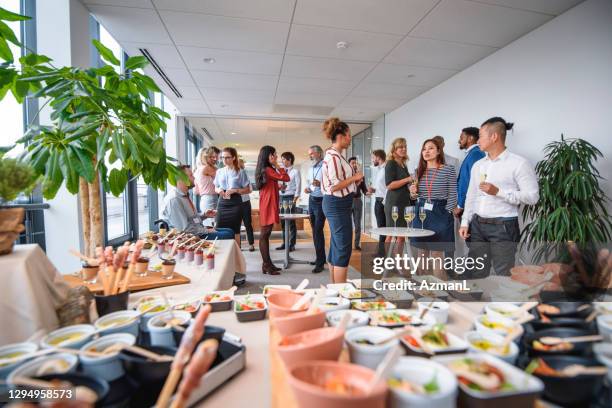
(355, 261)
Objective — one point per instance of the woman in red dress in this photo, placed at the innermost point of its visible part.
(267, 176)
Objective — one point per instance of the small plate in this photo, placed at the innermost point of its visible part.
(353, 293)
(399, 317)
(366, 306)
(455, 345)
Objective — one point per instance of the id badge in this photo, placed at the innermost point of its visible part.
(197, 220)
(428, 206)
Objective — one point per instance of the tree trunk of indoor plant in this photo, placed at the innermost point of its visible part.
(85, 216)
(95, 215)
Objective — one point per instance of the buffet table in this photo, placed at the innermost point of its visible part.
(32, 291)
(228, 261)
(263, 382)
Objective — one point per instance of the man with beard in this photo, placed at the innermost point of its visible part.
(468, 141)
(315, 205)
(180, 212)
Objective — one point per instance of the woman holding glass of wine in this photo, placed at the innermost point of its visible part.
(397, 179)
(436, 194)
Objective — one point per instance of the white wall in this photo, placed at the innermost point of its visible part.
(62, 34)
(556, 79)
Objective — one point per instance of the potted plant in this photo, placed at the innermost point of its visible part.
(16, 177)
(571, 218)
(105, 129)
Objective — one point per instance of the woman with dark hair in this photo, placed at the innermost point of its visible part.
(267, 175)
(436, 192)
(338, 188)
(230, 183)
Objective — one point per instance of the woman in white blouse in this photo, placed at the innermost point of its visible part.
(338, 189)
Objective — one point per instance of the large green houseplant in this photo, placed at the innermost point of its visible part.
(104, 127)
(572, 207)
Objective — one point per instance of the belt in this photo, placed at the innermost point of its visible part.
(496, 220)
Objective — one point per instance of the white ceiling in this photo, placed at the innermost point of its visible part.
(248, 135)
(283, 52)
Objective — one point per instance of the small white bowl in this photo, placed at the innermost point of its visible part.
(507, 323)
(123, 321)
(30, 369)
(110, 366)
(369, 355)
(504, 310)
(162, 335)
(419, 370)
(144, 319)
(438, 310)
(494, 339)
(357, 318)
(6, 351)
(340, 304)
(86, 332)
(604, 325)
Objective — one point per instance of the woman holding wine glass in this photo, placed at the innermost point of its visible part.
(397, 179)
(267, 175)
(436, 195)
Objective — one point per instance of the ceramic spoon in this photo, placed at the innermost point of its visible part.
(577, 369)
(384, 367)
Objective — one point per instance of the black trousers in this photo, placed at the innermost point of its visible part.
(357, 212)
(292, 226)
(317, 222)
(246, 220)
(494, 241)
(379, 213)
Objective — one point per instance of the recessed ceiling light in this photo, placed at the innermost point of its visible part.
(410, 76)
(341, 45)
(224, 105)
(233, 133)
(209, 60)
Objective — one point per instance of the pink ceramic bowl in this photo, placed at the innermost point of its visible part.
(279, 304)
(299, 322)
(308, 382)
(318, 344)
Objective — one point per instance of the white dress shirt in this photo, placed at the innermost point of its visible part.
(379, 182)
(512, 175)
(292, 188)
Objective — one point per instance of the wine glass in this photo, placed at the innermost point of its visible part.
(394, 216)
(290, 205)
(409, 215)
(422, 216)
(285, 206)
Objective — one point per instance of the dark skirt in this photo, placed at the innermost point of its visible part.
(338, 213)
(440, 221)
(229, 213)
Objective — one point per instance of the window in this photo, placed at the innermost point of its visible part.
(133, 211)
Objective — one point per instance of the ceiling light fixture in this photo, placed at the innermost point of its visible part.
(224, 105)
(342, 45)
(233, 133)
(410, 76)
(209, 60)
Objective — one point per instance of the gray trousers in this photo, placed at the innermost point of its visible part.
(495, 241)
(357, 211)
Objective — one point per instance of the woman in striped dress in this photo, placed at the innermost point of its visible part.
(437, 197)
(338, 189)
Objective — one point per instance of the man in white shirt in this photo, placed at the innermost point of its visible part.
(379, 189)
(499, 184)
(290, 193)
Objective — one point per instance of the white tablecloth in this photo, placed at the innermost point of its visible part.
(228, 261)
(31, 290)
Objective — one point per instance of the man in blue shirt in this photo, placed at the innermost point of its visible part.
(315, 205)
(468, 141)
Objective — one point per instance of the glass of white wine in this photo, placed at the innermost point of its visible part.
(409, 215)
(290, 205)
(422, 216)
(285, 206)
(394, 216)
